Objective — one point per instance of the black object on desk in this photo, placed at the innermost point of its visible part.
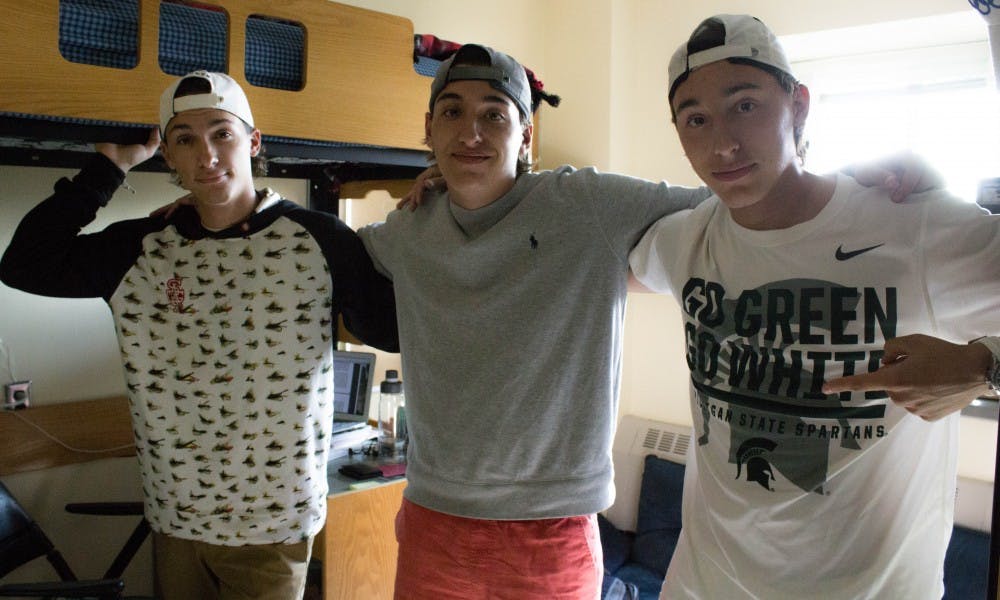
(360, 471)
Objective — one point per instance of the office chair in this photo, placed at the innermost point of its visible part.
(22, 540)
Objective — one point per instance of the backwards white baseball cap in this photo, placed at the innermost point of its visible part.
(727, 36)
(224, 94)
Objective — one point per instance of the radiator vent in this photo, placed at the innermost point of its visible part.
(666, 443)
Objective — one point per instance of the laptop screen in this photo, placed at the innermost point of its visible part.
(352, 384)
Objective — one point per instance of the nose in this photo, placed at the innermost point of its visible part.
(725, 141)
(207, 156)
(469, 133)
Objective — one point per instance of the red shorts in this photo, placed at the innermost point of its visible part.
(446, 557)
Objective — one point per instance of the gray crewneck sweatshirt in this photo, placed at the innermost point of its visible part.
(510, 325)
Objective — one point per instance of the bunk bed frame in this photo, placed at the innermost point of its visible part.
(358, 114)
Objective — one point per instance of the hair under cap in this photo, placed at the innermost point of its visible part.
(727, 36)
(502, 72)
(224, 94)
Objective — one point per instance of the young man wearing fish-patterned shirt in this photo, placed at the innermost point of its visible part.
(224, 315)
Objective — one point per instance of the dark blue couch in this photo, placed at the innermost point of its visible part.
(635, 562)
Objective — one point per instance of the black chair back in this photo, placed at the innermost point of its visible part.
(22, 540)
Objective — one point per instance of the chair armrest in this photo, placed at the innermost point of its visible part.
(105, 508)
(100, 588)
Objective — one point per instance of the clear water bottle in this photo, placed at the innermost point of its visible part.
(392, 434)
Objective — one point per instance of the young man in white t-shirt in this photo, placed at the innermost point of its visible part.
(787, 279)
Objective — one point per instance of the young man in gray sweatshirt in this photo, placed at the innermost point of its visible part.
(511, 292)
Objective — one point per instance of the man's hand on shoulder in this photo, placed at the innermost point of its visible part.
(429, 179)
(126, 156)
(900, 174)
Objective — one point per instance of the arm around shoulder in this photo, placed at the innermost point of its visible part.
(364, 297)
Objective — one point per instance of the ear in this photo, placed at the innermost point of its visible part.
(255, 143)
(165, 151)
(427, 130)
(529, 130)
(800, 105)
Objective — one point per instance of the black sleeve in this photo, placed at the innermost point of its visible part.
(48, 255)
(361, 294)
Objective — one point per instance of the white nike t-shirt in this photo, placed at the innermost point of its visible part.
(789, 492)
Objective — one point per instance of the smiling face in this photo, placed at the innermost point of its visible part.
(211, 152)
(737, 126)
(477, 136)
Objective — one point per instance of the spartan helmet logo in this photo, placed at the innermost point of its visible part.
(758, 468)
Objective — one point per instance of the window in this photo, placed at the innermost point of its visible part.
(921, 84)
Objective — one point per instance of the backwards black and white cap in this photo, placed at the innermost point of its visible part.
(224, 94)
(727, 36)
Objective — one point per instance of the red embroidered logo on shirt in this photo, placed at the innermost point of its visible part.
(175, 294)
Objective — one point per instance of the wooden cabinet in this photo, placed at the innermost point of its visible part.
(358, 544)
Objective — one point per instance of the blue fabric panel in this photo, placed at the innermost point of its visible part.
(191, 39)
(646, 580)
(966, 564)
(426, 66)
(275, 53)
(98, 32)
(613, 588)
(658, 525)
(615, 544)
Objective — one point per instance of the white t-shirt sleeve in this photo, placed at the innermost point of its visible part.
(961, 246)
(652, 257)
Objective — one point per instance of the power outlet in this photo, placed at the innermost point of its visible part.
(18, 395)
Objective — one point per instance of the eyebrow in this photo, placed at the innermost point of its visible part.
(730, 91)
(215, 122)
(489, 98)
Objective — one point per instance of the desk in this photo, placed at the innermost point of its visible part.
(358, 543)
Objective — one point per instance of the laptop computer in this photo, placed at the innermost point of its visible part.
(352, 389)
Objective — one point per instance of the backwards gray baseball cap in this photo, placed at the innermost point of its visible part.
(727, 36)
(501, 71)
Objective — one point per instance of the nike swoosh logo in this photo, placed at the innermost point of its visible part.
(841, 255)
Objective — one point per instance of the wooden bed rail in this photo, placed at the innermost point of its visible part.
(359, 83)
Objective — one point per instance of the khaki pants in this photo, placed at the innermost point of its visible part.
(187, 569)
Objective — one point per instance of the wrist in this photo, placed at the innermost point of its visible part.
(987, 363)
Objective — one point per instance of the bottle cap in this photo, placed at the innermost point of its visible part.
(391, 384)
